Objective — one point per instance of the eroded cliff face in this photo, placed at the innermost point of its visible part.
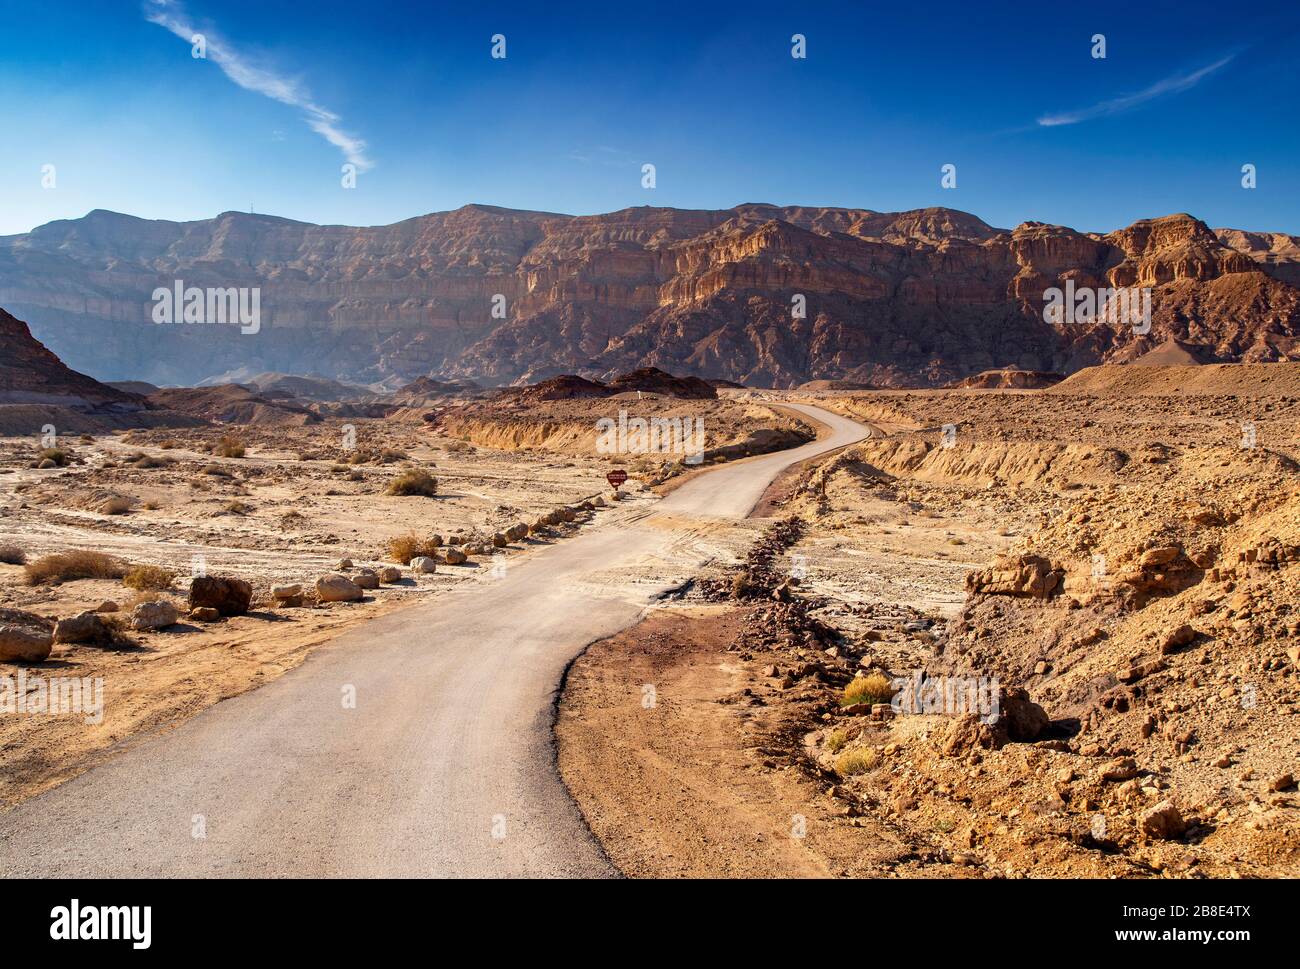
(501, 296)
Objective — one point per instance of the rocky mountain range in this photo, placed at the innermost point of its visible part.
(500, 296)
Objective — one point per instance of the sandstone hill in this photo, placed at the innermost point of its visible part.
(920, 298)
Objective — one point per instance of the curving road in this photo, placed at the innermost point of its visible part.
(446, 764)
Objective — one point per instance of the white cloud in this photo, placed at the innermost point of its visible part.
(1170, 85)
(171, 15)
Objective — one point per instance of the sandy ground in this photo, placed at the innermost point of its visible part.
(301, 517)
(1169, 692)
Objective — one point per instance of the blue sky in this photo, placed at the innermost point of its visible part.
(708, 93)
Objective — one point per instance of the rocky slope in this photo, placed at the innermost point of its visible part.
(31, 374)
(496, 295)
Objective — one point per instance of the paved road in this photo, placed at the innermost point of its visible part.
(446, 765)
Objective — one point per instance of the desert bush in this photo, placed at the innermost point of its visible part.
(87, 439)
(66, 566)
(238, 507)
(459, 447)
(859, 760)
(867, 689)
(228, 447)
(12, 555)
(55, 454)
(355, 475)
(742, 586)
(116, 505)
(147, 461)
(151, 506)
(167, 444)
(148, 577)
(836, 740)
(403, 548)
(414, 481)
(216, 470)
(391, 456)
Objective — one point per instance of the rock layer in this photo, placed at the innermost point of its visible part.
(923, 298)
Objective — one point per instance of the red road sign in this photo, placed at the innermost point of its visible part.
(616, 477)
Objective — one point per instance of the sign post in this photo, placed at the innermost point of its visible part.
(616, 478)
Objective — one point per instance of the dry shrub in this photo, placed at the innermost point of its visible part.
(859, 760)
(117, 505)
(55, 454)
(868, 689)
(414, 481)
(148, 577)
(836, 740)
(66, 566)
(216, 470)
(238, 507)
(12, 555)
(228, 447)
(403, 548)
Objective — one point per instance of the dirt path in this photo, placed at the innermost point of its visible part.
(419, 744)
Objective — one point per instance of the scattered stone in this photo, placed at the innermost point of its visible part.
(391, 573)
(345, 565)
(230, 597)
(283, 592)
(337, 588)
(25, 637)
(1281, 782)
(84, 628)
(366, 579)
(108, 605)
(1163, 822)
(1177, 639)
(1120, 769)
(424, 563)
(205, 614)
(499, 540)
(455, 556)
(154, 615)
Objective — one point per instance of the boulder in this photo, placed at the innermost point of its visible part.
(517, 532)
(367, 579)
(284, 592)
(1163, 822)
(205, 614)
(108, 605)
(499, 540)
(424, 563)
(345, 565)
(598, 502)
(1023, 719)
(1030, 576)
(154, 615)
(435, 541)
(334, 587)
(455, 556)
(84, 628)
(390, 574)
(24, 636)
(230, 597)
(1178, 638)
(1156, 557)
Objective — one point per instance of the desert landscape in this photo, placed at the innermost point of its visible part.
(1105, 562)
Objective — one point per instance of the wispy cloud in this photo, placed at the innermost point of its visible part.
(171, 15)
(1174, 84)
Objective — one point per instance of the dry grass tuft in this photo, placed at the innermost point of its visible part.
(117, 505)
(12, 555)
(868, 689)
(148, 577)
(414, 481)
(228, 447)
(403, 548)
(66, 566)
(859, 760)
